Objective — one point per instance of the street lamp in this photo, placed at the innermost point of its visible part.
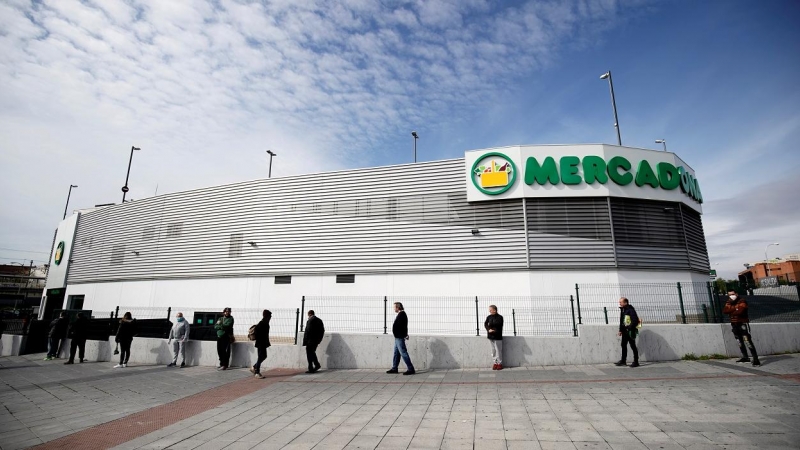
(766, 258)
(662, 141)
(271, 154)
(613, 104)
(414, 133)
(125, 188)
(68, 195)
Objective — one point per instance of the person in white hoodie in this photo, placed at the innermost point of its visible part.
(178, 336)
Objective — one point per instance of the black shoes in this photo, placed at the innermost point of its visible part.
(409, 372)
(756, 362)
(392, 371)
(635, 364)
(183, 364)
(620, 363)
(743, 359)
(172, 364)
(70, 362)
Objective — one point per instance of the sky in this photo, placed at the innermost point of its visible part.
(205, 88)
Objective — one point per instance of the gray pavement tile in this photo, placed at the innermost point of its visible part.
(457, 444)
(557, 445)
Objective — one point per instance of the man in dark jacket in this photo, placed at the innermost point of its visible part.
(736, 307)
(58, 331)
(494, 331)
(262, 342)
(400, 332)
(628, 329)
(312, 337)
(77, 334)
(224, 328)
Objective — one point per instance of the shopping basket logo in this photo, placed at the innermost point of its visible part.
(493, 173)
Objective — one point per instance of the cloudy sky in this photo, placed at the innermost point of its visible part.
(205, 88)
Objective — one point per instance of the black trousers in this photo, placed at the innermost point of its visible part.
(224, 350)
(742, 333)
(262, 356)
(311, 356)
(124, 351)
(629, 337)
(77, 344)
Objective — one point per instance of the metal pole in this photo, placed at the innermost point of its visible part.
(680, 299)
(169, 312)
(127, 175)
(116, 313)
(68, 196)
(574, 325)
(578, 301)
(705, 311)
(605, 313)
(514, 320)
(296, 324)
(477, 319)
(415, 136)
(271, 154)
(385, 312)
(614, 105)
(303, 309)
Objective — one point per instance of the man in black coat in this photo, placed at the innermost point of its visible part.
(494, 331)
(628, 329)
(77, 333)
(400, 332)
(312, 337)
(58, 331)
(262, 341)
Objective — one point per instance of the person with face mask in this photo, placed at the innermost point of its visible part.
(736, 307)
(178, 336)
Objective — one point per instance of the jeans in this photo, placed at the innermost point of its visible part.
(401, 351)
(52, 346)
(742, 333)
(262, 356)
(497, 351)
(311, 356)
(178, 348)
(629, 337)
(124, 351)
(77, 344)
(224, 350)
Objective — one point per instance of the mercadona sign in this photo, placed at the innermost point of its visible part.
(590, 170)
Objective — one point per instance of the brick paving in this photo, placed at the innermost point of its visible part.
(677, 405)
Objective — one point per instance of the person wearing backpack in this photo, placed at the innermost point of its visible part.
(58, 331)
(77, 334)
(312, 337)
(260, 334)
(178, 336)
(628, 329)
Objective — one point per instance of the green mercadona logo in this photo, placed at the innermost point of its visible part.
(60, 252)
(493, 173)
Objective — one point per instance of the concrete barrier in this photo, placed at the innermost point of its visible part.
(11, 344)
(595, 344)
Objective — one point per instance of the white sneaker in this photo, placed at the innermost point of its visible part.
(118, 366)
(124, 365)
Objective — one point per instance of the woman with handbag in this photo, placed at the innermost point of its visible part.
(124, 338)
(224, 327)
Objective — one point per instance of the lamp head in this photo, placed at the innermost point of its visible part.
(73, 185)
(135, 148)
(660, 141)
(605, 75)
(414, 133)
(272, 153)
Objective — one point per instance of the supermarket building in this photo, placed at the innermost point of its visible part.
(511, 221)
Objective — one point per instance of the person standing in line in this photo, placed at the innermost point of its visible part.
(628, 329)
(736, 307)
(58, 331)
(77, 334)
(224, 327)
(262, 342)
(178, 337)
(494, 331)
(400, 332)
(125, 333)
(312, 337)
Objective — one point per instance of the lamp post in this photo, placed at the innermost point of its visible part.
(68, 195)
(662, 141)
(766, 258)
(125, 188)
(414, 133)
(613, 104)
(271, 154)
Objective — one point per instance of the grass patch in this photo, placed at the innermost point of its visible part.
(693, 357)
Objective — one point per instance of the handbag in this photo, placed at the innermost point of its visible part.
(116, 349)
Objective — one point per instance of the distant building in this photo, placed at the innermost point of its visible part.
(21, 286)
(786, 270)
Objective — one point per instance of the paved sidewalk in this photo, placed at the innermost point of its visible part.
(695, 405)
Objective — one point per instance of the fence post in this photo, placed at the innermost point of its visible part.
(514, 320)
(303, 309)
(385, 309)
(797, 286)
(680, 299)
(605, 313)
(574, 325)
(116, 313)
(705, 311)
(169, 312)
(111, 315)
(578, 301)
(477, 319)
(711, 302)
(296, 324)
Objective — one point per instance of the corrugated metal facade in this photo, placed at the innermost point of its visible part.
(412, 218)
